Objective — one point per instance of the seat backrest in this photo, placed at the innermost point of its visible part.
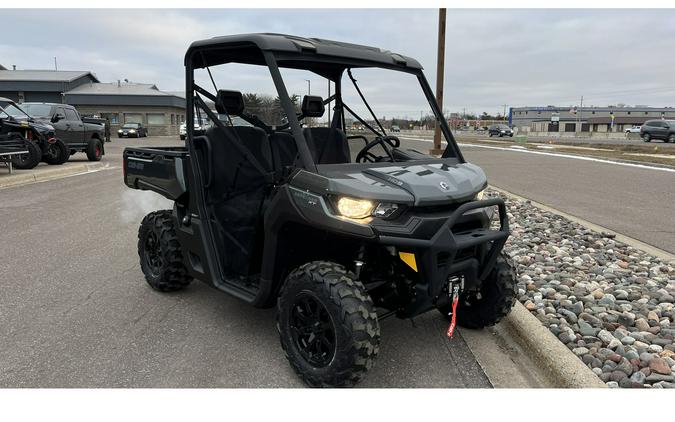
(253, 138)
(232, 172)
(284, 149)
(328, 145)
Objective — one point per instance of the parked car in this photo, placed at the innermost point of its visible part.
(634, 129)
(199, 128)
(132, 130)
(78, 136)
(658, 129)
(500, 130)
(43, 143)
(395, 128)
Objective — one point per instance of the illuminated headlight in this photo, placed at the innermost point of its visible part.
(355, 208)
(132, 131)
(119, 131)
(502, 131)
(480, 195)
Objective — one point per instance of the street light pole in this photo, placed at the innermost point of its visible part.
(440, 73)
(309, 87)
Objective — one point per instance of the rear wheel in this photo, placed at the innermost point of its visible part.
(671, 138)
(160, 253)
(494, 301)
(646, 137)
(94, 150)
(57, 153)
(29, 160)
(327, 325)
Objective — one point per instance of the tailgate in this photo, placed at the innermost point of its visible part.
(160, 169)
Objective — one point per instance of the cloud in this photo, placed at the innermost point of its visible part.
(493, 57)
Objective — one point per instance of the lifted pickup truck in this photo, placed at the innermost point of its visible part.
(79, 136)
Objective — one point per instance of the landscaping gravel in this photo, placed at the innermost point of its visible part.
(609, 303)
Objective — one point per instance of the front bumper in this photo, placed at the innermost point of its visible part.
(455, 248)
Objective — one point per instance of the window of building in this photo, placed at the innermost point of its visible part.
(112, 117)
(156, 119)
(570, 127)
(553, 127)
(595, 127)
(628, 113)
(173, 119)
(526, 113)
(592, 112)
(133, 118)
(646, 113)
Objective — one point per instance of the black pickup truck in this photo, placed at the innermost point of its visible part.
(79, 136)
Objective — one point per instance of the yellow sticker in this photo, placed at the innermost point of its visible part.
(408, 258)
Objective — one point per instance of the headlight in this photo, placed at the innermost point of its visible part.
(480, 195)
(502, 131)
(132, 131)
(355, 208)
(119, 131)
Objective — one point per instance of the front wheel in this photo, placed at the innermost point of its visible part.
(646, 137)
(29, 160)
(57, 153)
(327, 325)
(671, 138)
(493, 302)
(161, 254)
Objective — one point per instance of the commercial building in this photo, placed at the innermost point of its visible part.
(600, 120)
(119, 102)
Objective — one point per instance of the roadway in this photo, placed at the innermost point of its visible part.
(637, 201)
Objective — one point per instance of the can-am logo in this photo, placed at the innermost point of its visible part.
(444, 186)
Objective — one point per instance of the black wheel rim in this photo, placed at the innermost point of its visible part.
(153, 258)
(312, 330)
(51, 151)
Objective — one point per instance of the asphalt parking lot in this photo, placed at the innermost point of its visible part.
(75, 310)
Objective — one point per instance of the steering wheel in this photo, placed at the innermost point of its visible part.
(365, 156)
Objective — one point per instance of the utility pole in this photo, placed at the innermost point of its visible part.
(55, 66)
(504, 113)
(309, 87)
(581, 113)
(440, 74)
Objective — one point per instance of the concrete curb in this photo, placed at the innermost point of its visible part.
(562, 367)
(49, 173)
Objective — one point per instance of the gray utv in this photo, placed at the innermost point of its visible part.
(285, 216)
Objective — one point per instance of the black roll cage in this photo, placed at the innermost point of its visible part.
(332, 68)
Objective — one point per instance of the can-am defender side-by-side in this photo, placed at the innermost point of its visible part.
(284, 215)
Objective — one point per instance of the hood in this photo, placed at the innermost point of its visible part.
(40, 125)
(415, 183)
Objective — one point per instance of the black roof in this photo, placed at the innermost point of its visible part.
(318, 55)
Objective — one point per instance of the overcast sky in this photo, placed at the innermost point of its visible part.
(493, 57)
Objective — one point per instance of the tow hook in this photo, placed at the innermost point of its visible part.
(455, 284)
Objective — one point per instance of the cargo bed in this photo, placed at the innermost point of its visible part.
(159, 169)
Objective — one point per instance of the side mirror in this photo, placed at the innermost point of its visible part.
(57, 117)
